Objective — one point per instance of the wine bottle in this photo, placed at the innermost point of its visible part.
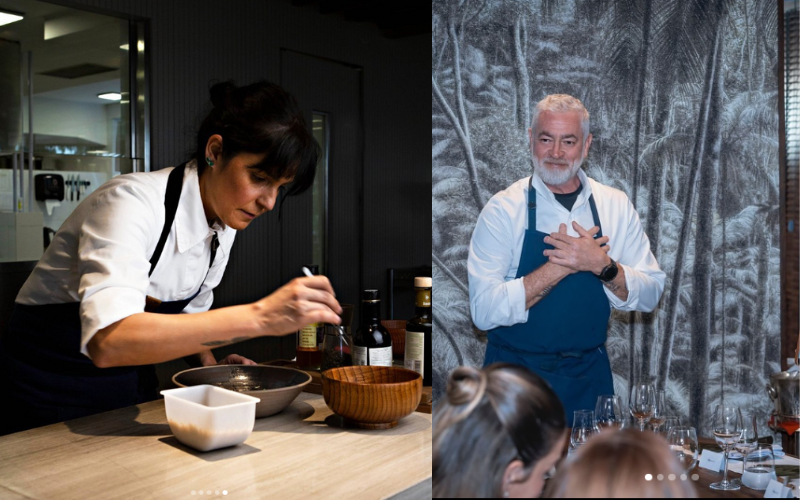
(418, 332)
(309, 341)
(372, 344)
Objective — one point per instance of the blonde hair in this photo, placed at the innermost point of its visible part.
(617, 464)
(488, 418)
(562, 103)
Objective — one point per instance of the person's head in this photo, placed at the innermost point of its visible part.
(252, 146)
(498, 432)
(621, 464)
(559, 138)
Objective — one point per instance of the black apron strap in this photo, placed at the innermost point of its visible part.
(171, 200)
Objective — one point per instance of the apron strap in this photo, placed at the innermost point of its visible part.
(173, 196)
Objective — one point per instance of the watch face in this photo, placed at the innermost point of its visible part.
(609, 272)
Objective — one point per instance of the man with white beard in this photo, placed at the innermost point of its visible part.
(551, 254)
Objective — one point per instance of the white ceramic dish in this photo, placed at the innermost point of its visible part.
(207, 417)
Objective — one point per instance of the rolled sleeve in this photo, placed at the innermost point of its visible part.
(495, 300)
(113, 265)
(643, 276)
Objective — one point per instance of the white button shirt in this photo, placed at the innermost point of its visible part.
(100, 256)
(497, 297)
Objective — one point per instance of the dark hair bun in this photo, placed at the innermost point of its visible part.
(221, 93)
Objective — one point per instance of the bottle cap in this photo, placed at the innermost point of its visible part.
(370, 296)
(423, 282)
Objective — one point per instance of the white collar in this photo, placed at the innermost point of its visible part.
(191, 226)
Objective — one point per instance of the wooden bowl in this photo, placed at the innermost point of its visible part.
(397, 329)
(275, 386)
(371, 397)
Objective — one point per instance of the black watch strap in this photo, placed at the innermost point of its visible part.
(609, 272)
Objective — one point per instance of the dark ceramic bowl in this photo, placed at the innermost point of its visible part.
(275, 386)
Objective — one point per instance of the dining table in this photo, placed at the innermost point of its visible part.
(305, 451)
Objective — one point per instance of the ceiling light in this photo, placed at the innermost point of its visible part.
(124, 47)
(7, 17)
(111, 96)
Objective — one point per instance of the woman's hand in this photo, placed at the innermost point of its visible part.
(235, 359)
(299, 303)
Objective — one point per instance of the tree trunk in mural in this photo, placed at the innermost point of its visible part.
(702, 307)
(460, 123)
(520, 36)
(698, 155)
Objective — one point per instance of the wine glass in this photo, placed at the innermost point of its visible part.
(641, 403)
(670, 422)
(749, 439)
(727, 428)
(582, 428)
(659, 410)
(608, 412)
(683, 443)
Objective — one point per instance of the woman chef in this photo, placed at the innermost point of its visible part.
(101, 305)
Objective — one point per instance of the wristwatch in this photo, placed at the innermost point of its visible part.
(609, 272)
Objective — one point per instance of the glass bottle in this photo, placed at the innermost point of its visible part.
(309, 341)
(372, 344)
(418, 332)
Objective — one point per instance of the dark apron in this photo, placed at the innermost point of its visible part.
(563, 340)
(46, 379)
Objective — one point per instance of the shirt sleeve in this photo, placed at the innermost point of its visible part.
(643, 276)
(493, 300)
(113, 249)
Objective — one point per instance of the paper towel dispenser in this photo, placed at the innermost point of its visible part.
(49, 187)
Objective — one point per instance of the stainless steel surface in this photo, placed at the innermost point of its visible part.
(784, 390)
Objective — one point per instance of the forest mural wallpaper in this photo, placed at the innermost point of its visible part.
(683, 102)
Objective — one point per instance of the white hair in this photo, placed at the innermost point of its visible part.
(562, 103)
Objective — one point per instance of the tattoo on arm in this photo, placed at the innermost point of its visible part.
(546, 290)
(217, 343)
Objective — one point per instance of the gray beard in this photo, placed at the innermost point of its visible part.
(556, 177)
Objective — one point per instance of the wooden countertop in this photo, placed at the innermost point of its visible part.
(130, 453)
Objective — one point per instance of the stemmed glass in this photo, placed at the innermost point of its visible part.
(582, 428)
(749, 439)
(670, 422)
(641, 403)
(608, 412)
(727, 428)
(659, 410)
(683, 442)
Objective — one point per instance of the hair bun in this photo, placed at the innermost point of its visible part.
(466, 386)
(221, 93)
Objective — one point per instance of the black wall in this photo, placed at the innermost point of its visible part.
(192, 42)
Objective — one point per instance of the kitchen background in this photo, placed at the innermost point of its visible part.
(358, 71)
(685, 105)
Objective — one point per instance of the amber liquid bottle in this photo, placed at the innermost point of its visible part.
(372, 344)
(418, 332)
(309, 341)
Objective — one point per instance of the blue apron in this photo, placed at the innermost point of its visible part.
(45, 377)
(563, 340)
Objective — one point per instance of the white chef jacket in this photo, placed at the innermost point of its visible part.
(100, 256)
(497, 297)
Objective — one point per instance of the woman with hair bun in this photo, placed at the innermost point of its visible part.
(499, 432)
(101, 306)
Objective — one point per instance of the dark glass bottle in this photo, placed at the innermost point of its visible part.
(372, 344)
(309, 341)
(418, 332)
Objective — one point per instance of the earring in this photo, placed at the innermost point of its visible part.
(209, 161)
